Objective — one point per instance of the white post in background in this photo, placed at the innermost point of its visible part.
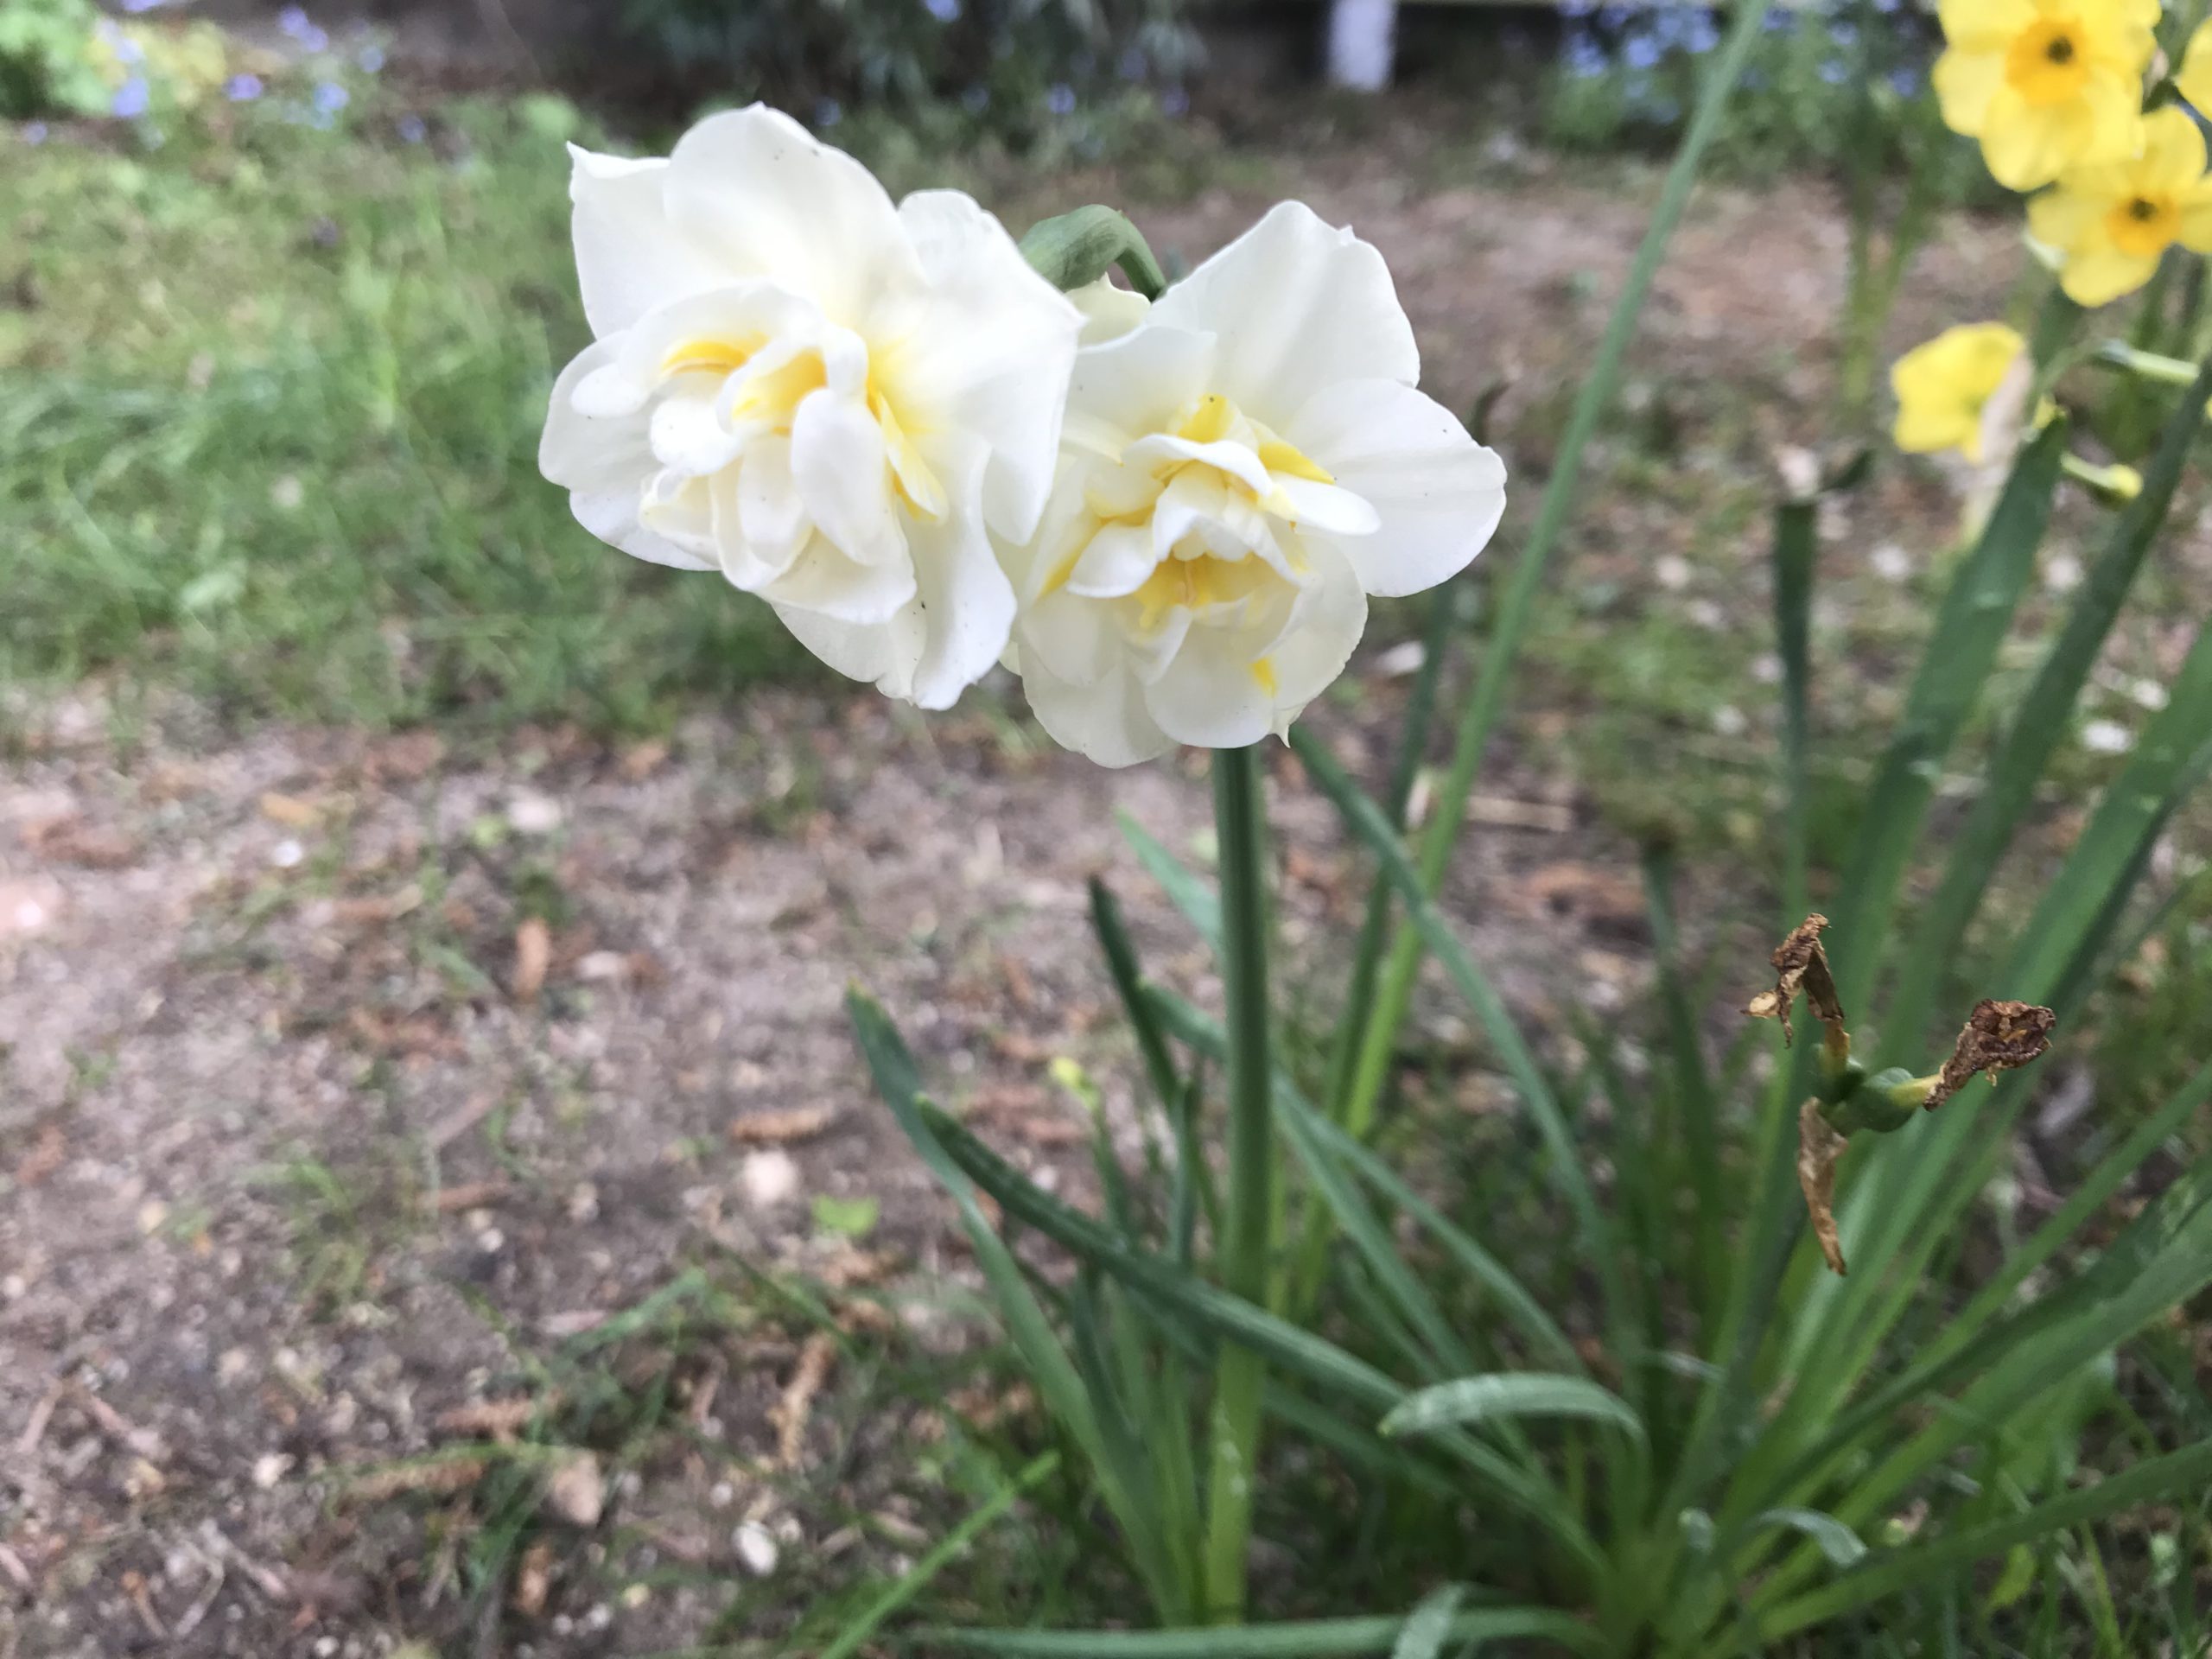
(1362, 36)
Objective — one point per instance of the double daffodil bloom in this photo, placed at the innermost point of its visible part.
(2045, 84)
(2109, 223)
(830, 399)
(1947, 391)
(1243, 463)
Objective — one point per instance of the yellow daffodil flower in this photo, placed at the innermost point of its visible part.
(2045, 84)
(2194, 77)
(1945, 388)
(2109, 223)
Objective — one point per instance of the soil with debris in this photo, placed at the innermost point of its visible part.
(346, 1078)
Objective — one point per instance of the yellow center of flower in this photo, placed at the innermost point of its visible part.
(2144, 226)
(772, 398)
(2048, 63)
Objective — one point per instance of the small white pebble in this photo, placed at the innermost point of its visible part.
(491, 1241)
(1707, 615)
(721, 1495)
(1766, 669)
(1730, 720)
(756, 1549)
(534, 815)
(287, 854)
(288, 492)
(2148, 693)
(1400, 660)
(268, 1468)
(2107, 737)
(1673, 571)
(2062, 574)
(1891, 561)
(769, 1178)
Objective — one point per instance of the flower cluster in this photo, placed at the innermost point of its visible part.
(2069, 99)
(1166, 517)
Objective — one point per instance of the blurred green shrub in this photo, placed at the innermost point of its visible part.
(1841, 85)
(46, 60)
(1008, 63)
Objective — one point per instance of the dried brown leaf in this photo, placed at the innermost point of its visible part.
(499, 1420)
(1819, 1150)
(1800, 964)
(290, 810)
(779, 1129)
(533, 956)
(533, 1580)
(439, 1477)
(795, 1410)
(1998, 1037)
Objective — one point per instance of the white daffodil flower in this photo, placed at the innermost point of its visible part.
(1243, 464)
(830, 399)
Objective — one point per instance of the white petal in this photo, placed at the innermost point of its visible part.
(952, 633)
(1117, 561)
(1070, 639)
(605, 467)
(1109, 311)
(735, 315)
(771, 517)
(766, 199)
(1332, 618)
(837, 462)
(688, 435)
(631, 257)
(1316, 505)
(1209, 696)
(1159, 450)
(985, 349)
(1297, 307)
(1135, 385)
(1107, 723)
(821, 581)
(1440, 495)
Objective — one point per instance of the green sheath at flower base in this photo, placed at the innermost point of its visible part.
(1080, 247)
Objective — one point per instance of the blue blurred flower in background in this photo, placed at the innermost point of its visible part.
(243, 89)
(330, 97)
(133, 99)
(1061, 99)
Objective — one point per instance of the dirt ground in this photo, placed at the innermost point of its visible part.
(344, 1074)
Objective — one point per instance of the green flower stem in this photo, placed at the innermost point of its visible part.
(2147, 365)
(1240, 826)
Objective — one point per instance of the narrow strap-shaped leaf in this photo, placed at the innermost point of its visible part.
(2037, 727)
(1366, 822)
(1796, 542)
(1506, 1395)
(1190, 893)
(1843, 1546)
(1320, 1363)
(1447, 1351)
(1886, 1574)
(1962, 650)
(1429, 1625)
(1563, 493)
(1321, 1638)
(1206, 1035)
(899, 1081)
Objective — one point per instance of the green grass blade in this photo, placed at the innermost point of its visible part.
(1563, 494)
(1507, 1394)
(1325, 1638)
(2036, 728)
(1122, 963)
(1886, 1574)
(947, 1550)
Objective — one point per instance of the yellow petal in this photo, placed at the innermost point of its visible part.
(2194, 77)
